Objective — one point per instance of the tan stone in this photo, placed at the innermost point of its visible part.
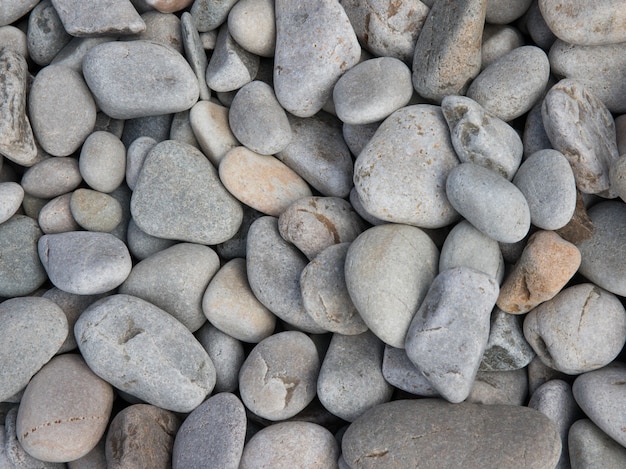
(546, 265)
(169, 6)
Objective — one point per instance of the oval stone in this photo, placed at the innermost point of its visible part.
(226, 353)
(588, 445)
(95, 211)
(52, 177)
(11, 197)
(102, 161)
(116, 74)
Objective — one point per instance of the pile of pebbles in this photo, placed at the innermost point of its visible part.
(313, 233)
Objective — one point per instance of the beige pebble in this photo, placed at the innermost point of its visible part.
(56, 216)
(95, 211)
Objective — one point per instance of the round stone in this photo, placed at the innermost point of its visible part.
(56, 216)
(226, 353)
(95, 211)
(102, 161)
(252, 23)
(52, 177)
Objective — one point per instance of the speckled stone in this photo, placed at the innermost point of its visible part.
(252, 23)
(507, 348)
(226, 353)
(52, 177)
(46, 34)
(498, 40)
(590, 447)
(209, 14)
(102, 161)
(95, 211)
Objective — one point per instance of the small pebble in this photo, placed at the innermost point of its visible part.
(52, 177)
(46, 34)
(102, 161)
(209, 14)
(226, 353)
(164, 28)
(252, 23)
(14, 39)
(399, 371)
(505, 11)
(209, 122)
(230, 66)
(194, 52)
(13, 10)
(498, 40)
(507, 348)
(114, 17)
(95, 211)
(11, 197)
(500, 388)
(590, 447)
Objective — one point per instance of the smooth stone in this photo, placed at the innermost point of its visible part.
(95, 459)
(597, 68)
(175, 279)
(13, 10)
(500, 388)
(372, 90)
(583, 328)
(252, 24)
(46, 34)
(498, 40)
(400, 174)
(400, 372)
(52, 177)
(141, 436)
(179, 196)
(226, 353)
(507, 348)
(258, 121)
(122, 194)
(351, 379)
(84, 262)
(357, 136)
(169, 6)
(212, 435)
(164, 28)
(285, 445)
(208, 38)
(210, 14)
(547, 264)
(600, 395)
(580, 126)
(230, 305)
(481, 138)
(33, 331)
(182, 131)
(142, 245)
(194, 52)
(534, 137)
(115, 74)
(315, 45)
(262, 182)
(32, 205)
(106, 123)
(448, 49)
(449, 332)
(277, 379)
(72, 54)
(511, 85)
(318, 153)
(209, 122)
(144, 351)
(11, 197)
(61, 109)
(95, 211)
(230, 66)
(388, 271)
(102, 161)
(538, 30)
(14, 39)
(114, 17)
(357, 205)
(436, 433)
(64, 411)
(21, 271)
(135, 157)
(466, 246)
(579, 22)
(599, 263)
(579, 228)
(505, 11)
(236, 246)
(539, 373)
(274, 267)
(591, 448)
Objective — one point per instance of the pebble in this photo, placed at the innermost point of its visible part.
(46, 34)
(230, 305)
(435, 434)
(135, 157)
(34, 330)
(169, 6)
(547, 264)
(114, 72)
(102, 161)
(52, 177)
(226, 353)
(388, 271)
(589, 447)
(14, 39)
(399, 371)
(72, 54)
(620, 130)
(179, 196)
(600, 394)
(21, 272)
(209, 122)
(95, 211)
(140, 436)
(507, 348)
(500, 388)
(534, 137)
(539, 374)
(258, 121)
(13, 10)
(230, 66)
(175, 279)
(115, 17)
(489, 202)
(505, 11)
(510, 86)
(448, 49)
(141, 245)
(400, 175)
(236, 246)
(583, 328)
(498, 40)
(274, 267)
(212, 435)
(357, 136)
(579, 228)
(315, 45)
(210, 14)
(78, 404)
(580, 126)
(537, 28)
(449, 332)
(252, 23)
(348, 394)
(194, 52)
(11, 197)
(156, 127)
(164, 28)
(277, 379)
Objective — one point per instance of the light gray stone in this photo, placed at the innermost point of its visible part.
(56, 216)
(210, 14)
(500, 388)
(11, 196)
(182, 131)
(357, 136)
(507, 348)
(498, 40)
(534, 136)
(209, 122)
(52, 177)
(227, 355)
(164, 28)
(135, 157)
(591, 448)
(196, 56)
(15, 40)
(230, 66)
(95, 211)
(46, 34)
(113, 17)
(142, 245)
(399, 371)
(252, 24)
(505, 11)
(72, 54)
(102, 161)
(13, 10)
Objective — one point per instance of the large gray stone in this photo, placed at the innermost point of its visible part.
(113, 17)
(591, 448)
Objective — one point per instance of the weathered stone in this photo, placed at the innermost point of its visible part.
(500, 387)
(114, 17)
(507, 348)
(46, 34)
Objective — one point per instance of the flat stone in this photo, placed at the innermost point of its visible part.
(230, 66)
(400, 372)
(507, 348)
(388, 271)
(95, 211)
(277, 380)
(114, 17)
(226, 353)
(142, 350)
(580, 126)
(583, 328)
(34, 330)
(500, 387)
(179, 196)
(210, 14)
(400, 175)
(448, 49)
(436, 433)
(140, 436)
(252, 23)
(498, 40)
(589, 446)
(46, 34)
(13, 10)
(11, 197)
(196, 56)
(68, 406)
(102, 161)
(209, 122)
(315, 45)
(212, 435)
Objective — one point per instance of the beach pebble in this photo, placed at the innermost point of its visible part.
(590, 447)
(210, 14)
(11, 197)
(315, 45)
(229, 304)
(252, 23)
(142, 245)
(448, 49)
(498, 40)
(505, 11)
(52, 177)
(209, 122)
(357, 136)
(278, 378)
(102, 161)
(583, 328)
(95, 211)
(14, 39)
(388, 271)
(72, 54)
(140, 436)
(400, 372)
(168, 6)
(194, 53)
(500, 388)
(13, 10)
(164, 28)
(64, 411)
(135, 157)
(534, 137)
(46, 34)
(115, 17)
(230, 66)
(226, 353)
(510, 86)
(400, 175)
(507, 348)
(435, 433)
(236, 246)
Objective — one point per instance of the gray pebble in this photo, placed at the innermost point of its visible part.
(156, 127)
(591, 448)
(357, 205)
(500, 388)
(505, 11)
(11, 197)
(399, 371)
(115, 17)
(164, 28)
(230, 66)
(507, 348)
(534, 136)
(135, 157)
(72, 54)
(498, 40)
(538, 30)
(226, 353)
(122, 194)
(196, 56)
(32, 205)
(46, 35)
(209, 122)
(52, 177)
(141, 245)
(252, 24)
(13, 10)
(102, 161)
(357, 136)
(14, 39)
(236, 246)
(182, 131)
(210, 14)
(95, 211)
(106, 123)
